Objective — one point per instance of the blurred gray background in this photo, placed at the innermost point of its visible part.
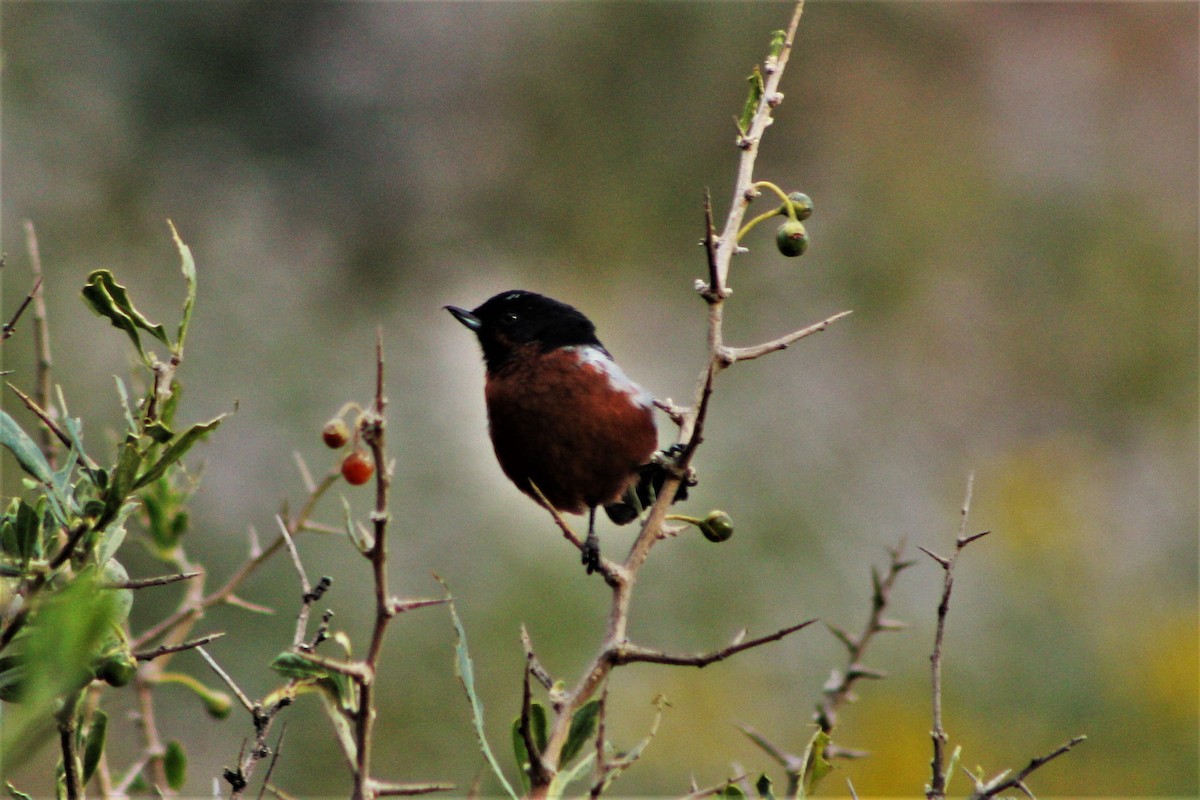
(1006, 196)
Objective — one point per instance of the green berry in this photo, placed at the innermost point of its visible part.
(117, 668)
(792, 238)
(717, 526)
(802, 203)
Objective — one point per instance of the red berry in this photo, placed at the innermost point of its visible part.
(335, 433)
(357, 468)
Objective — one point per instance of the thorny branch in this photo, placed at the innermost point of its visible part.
(936, 790)
(41, 342)
(621, 577)
(937, 785)
(838, 690)
(1000, 783)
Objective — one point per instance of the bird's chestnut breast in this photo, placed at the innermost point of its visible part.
(569, 421)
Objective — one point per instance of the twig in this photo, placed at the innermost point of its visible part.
(161, 580)
(68, 723)
(729, 355)
(10, 327)
(838, 689)
(600, 772)
(48, 420)
(310, 596)
(791, 763)
(274, 760)
(1018, 781)
(715, 789)
(937, 785)
(621, 578)
(537, 767)
(135, 770)
(628, 653)
(606, 568)
(223, 675)
(41, 339)
(193, 611)
(381, 789)
(150, 655)
(715, 291)
(372, 427)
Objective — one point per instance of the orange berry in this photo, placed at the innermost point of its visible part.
(357, 468)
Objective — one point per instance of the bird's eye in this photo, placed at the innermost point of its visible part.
(511, 317)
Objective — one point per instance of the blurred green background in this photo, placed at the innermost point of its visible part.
(1006, 196)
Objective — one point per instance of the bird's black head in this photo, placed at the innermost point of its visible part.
(513, 319)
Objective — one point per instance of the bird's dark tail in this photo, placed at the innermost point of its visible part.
(643, 494)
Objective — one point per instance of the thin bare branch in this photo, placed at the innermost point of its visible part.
(150, 655)
(161, 580)
(715, 789)
(607, 568)
(715, 291)
(790, 763)
(629, 653)
(839, 688)
(41, 341)
(382, 789)
(936, 790)
(729, 355)
(399, 606)
(10, 327)
(48, 420)
(1018, 781)
(274, 760)
(233, 687)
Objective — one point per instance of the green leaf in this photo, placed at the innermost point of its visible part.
(775, 48)
(181, 444)
(93, 744)
(113, 534)
(28, 454)
(731, 790)
(159, 432)
(753, 98)
(188, 266)
(16, 794)
(466, 676)
(110, 299)
(815, 765)
(763, 787)
(114, 573)
(131, 428)
(121, 481)
(294, 665)
(175, 765)
(952, 767)
(538, 730)
(341, 688)
(12, 678)
(27, 532)
(565, 777)
(583, 727)
(65, 634)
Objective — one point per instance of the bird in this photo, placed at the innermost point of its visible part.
(562, 415)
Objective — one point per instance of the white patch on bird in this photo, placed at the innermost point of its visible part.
(601, 360)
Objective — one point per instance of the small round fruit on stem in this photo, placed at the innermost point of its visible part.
(357, 467)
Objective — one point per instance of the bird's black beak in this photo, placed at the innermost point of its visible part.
(465, 317)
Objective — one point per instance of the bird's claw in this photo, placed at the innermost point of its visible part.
(591, 552)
